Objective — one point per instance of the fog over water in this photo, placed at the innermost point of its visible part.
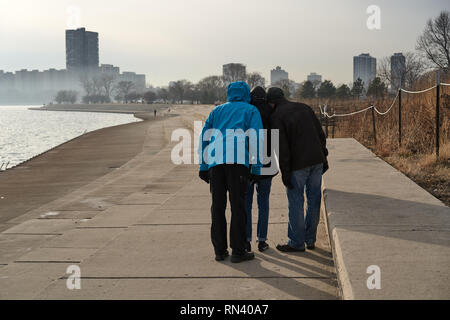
(25, 133)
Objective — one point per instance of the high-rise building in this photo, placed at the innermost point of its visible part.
(278, 74)
(81, 50)
(365, 68)
(232, 72)
(398, 68)
(315, 78)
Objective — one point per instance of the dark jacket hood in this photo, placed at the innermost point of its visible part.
(275, 95)
(238, 91)
(258, 94)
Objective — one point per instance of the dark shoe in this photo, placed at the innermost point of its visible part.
(311, 246)
(236, 258)
(288, 248)
(263, 246)
(221, 257)
(248, 246)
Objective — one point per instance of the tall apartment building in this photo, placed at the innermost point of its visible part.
(278, 74)
(232, 72)
(315, 78)
(81, 50)
(365, 68)
(398, 69)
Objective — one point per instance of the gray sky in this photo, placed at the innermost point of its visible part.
(190, 39)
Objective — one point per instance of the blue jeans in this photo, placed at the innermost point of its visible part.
(303, 230)
(263, 190)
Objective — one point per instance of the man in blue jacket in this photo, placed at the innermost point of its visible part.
(228, 146)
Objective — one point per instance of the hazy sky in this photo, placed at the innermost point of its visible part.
(190, 39)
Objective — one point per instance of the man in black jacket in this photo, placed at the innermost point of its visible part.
(302, 159)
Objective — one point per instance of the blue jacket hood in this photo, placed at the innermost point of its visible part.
(238, 91)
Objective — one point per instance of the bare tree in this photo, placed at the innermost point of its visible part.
(66, 96)
(87, 85)
(234, 72)
(149, 97)
(123, 89)
(193, 93)
(211, 89)
(255, 79)
(434, 43)
(163, 94)
(107, 83)
(97, 85)
(178, 90)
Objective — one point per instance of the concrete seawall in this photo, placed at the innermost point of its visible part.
(379, 217)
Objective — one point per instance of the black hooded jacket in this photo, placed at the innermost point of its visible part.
(258, 99)
(302, 140)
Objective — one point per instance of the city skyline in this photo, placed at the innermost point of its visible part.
(151, 40)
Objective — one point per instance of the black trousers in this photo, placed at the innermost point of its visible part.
(232, 178)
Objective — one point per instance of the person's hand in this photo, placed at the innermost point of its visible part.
(325, 167)
(204, 175)
(286, 177)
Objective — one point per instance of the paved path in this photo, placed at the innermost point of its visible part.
(142, 232)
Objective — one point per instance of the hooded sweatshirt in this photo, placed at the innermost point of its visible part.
(258, 96)
(228, 125)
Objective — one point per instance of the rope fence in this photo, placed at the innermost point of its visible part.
(421, 91)
(324, 113)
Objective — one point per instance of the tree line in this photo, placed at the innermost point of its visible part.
(103, 89)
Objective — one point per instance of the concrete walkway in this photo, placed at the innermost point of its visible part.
(379, 217)
(142, 232)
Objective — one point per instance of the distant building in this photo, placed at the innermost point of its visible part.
(109, 69)
(314, 77)
(398, 68)
(365, 68)
(137, 79)
(232, 72)
(278, 74)
(33, 86)
(81, 50)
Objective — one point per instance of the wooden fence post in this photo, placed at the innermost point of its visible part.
(400, 116)
(373, 124)
(438, 82)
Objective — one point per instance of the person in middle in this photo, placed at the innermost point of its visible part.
(263, 182)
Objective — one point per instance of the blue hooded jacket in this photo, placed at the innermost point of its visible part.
(228, 124)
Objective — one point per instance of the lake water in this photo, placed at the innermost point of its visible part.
(25, 133)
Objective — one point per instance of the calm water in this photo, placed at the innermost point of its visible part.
(25, 133)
